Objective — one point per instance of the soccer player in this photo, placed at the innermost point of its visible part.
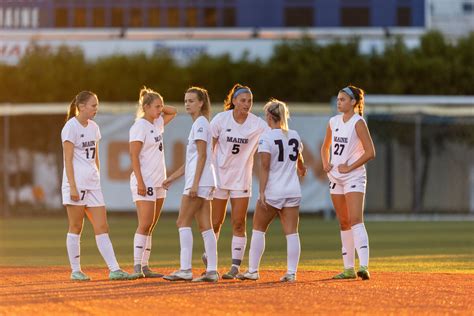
(149, 172)
(235, 135)
(349, 140)
(81, 191)
(199, 187)
(280, 193)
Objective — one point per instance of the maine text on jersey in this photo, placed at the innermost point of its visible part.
(237, 140)
(90, 143)
(340, 139)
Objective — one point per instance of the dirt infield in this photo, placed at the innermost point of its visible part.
(42, 291)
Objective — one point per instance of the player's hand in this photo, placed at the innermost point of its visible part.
(193, 191)
(327, 167)
(141, 189)
(344, 168)
(74, 194)
(302, 171)
(262, 200)
(167, 183)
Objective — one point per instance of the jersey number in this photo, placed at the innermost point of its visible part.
(149, 191)
(83, 195)
(90, 152)
(236, 149)
(292, 142)
(160, 147)
(337, 147)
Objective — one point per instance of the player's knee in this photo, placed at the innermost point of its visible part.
(101, 229)
(345, 225)
(145, 227)
(238, 226)
(75, 228)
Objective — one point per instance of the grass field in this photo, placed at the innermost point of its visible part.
(394, 246)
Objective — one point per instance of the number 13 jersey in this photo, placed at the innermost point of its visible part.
(346, 146)
(85, 140)
(234, 151)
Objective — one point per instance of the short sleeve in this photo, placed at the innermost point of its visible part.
(137, 133)
(215, 126)
(68, 133)
(331, 122)
(264, 144)
(201, 129)
(98, 135)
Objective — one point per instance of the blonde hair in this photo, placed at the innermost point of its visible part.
(278, 110)
(147, 97)
(81, 98)
(203, 96)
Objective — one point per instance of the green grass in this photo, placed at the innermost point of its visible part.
(394, 246)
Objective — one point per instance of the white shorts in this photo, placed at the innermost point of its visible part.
(88, 198)
(151, 194)
(206, 193)
(224, 194)
(355, 184)
(284, 202)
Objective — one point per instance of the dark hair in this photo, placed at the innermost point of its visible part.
(81, 98)
(203, 96)
(147, 96)
(358, 97)
(228, 105)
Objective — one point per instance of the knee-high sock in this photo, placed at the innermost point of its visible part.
(139, 243)
(186, 243)
(238, 249)
(293, 250)
(73, 245)
(147, 251)
(107, 251)
(210, 246)
(361, 242)
(257, 246)
(348, 250)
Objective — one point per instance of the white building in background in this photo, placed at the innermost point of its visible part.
(455, 18)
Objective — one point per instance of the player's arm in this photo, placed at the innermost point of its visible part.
(201, 146)
(168, 113)
(135, 148)
(97, 161)
(68, 149)
(325, 155)
(176, 175)
(301, 168)
(369, 149)
(263, 177)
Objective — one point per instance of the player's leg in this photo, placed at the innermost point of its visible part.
(262, 218)
(355, 206)
(239, 237)
(219, 208)
(147, 252)
(75, 215)
(145, 214)
(289, 217)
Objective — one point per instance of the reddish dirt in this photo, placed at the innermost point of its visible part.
(47, 290)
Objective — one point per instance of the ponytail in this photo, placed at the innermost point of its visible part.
(278, 110)
(81, 98)
(358, 95)
(146, 97)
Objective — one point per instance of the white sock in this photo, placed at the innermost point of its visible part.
(238, 249)
(361, 242)
(348, 250)
(147, 251)
(293, 250)
(257, 246)
(107, 251)
(186, 243)
(210, 246)
(139, 243)
(73, 245)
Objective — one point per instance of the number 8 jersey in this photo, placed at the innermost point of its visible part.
(346, 146)
(85, 140)
(234, 151)
(284, 149)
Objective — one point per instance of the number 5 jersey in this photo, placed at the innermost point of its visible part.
(346, 147)
(85, 140)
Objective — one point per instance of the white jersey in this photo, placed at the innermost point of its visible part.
(199, 131)
(85, 140)
(284, 149)
(235, 149)
(346, 146)
(152, 158)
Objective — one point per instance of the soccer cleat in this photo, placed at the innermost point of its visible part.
(346, 274)
(120, 275)
(289, 277)
(254, 276)
(180, 275)
(79, 276)
(234, 270)
(363, 273)
(150, 274)
(209, 276)
(137, 272)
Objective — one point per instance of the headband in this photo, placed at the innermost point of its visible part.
(240, 91)
(349, 92)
